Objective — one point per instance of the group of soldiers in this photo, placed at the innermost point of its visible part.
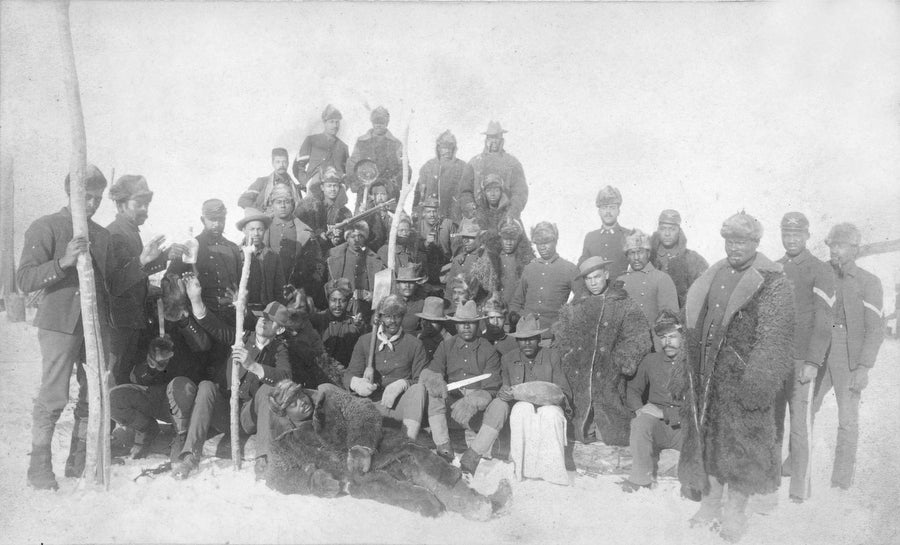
(640, 343)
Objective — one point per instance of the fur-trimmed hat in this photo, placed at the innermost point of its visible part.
(252, 214)
(544, 232)
(608, 195)
(342, 285)
(794, 221)
(670, 216)
(511, 228)
(361, 226)
(213, 209)
(392, 305)
(446, 138)
(843, 233)
(636, 240)
(93, 179)
(742, 225)
(430, 202)
(331, 112)
(494, 306)
(331, 174)
(666, 322)
(129, 187)
(281, 190)
(381, 114)
(492, 179)
(494, 129)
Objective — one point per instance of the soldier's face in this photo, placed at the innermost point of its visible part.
(336, 237)
(433, 327)
(391, 323)
(406, 289)
(337, 304)
(254, 232)
(671, 343)
(379, 195)
(430, 215)
(740, 251)
(470, 244)
(213, 225)
(445, 153)
(492, 195)
(842, 254)
(331, 189)
(546, 249)
(508, 245)
(379, 127)
(530, 346)
(300, 409)
(668, 234)
(403, 230)
(638, 258)
(283, 208)
(357, 239)
(794, 242)
(280, 163)
(266, 328)
(136, 210)
(460, 296)
(495, 322)
(609, 214)
(596, 281)
(332, 126)
(492, 143)
(92, 200)
(467, 331)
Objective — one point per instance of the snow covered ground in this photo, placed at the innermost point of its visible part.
(218, 505)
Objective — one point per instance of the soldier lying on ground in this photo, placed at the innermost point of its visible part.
(326, 441)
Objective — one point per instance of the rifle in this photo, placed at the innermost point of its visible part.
(364, 214)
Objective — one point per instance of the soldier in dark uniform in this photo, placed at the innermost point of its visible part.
(608, 242)
(495, 160)
(218, 266)
(443, 177)
(813, 293)
(258, 194)
(322, 150)
(380, 146)
(324, 206)
(435, 231)
(358, 264)
(128, 311)
(48, 263)
(669, 253)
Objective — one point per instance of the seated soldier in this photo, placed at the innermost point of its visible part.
(264, 361)
(409, 288)
(657, 423)
(326, 441)
(433, 322)
(473, 407)
(338, 328)
(310, 364)
(385, 368)
(496, 312)
(537, 422)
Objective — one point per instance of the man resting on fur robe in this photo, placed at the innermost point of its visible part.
(326, 442)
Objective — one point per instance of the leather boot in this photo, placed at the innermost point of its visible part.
(710, 511)
(469, 461)
(40, 470)
(143, 440)
(77, 449)
(177, 446)
(734, 516)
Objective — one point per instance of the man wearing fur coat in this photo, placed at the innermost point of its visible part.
(443, 177)
(740, 321)
(669, 253)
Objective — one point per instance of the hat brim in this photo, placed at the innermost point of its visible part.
(501, 132)
(417, 280)
(528, 334)
(594, 268)
(431, 317)
(258, 217)
(473, 319)
(470, 235)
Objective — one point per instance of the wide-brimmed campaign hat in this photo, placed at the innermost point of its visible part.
(252, 214)
(591, 264)
(467, 313)
(410, 273)
(468, 228)
(276, 312)
(529, 326)
(433, 309)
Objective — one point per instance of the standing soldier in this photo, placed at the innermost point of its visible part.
(669, 253)
(48, 263)
(813, 296)
(495, 160)
(259, 193)
(608, 242)
(266, 280)
(381, 147)
(856, 336)
(443, 177)
(128, 311)
(650, 288)
(739, 320)
(515, 253)
(322, 150)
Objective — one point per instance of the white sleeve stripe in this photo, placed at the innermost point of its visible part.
(303, 158)
(872, 307)
(828, 300)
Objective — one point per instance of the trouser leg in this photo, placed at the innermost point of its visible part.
(123, 347)
(256, 419)
(800, 436)
(132, 406)
(59, 353)
(640, 443)
(848, 411)
(437, 420)
(520, 424)
(491, 423)
(181, 393)
(710, 504)
(208, 397)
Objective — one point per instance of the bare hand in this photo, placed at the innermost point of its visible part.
(239, 355)
(369, 374)
(152, 249)
(177, 250)
(192, 287)
(808, 373)
(358, 319)
(77, 246)
(505, 394)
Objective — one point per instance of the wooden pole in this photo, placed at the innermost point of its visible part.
(240, 306)
(97, 460)
(7, 226)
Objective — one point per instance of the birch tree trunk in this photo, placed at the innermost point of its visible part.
(240, 306)
(97, 460)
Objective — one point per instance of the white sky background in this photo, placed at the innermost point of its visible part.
(703, 107)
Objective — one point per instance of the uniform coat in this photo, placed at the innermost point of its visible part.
(257, 195)
(544, 287)
(651, 289)
(129, 308)
(602, 340)
(608, 243)
(386, 151)
(509, 169)
(301, 258)
(444, 181)
(218, 269)
(730, 393)
(319, 150)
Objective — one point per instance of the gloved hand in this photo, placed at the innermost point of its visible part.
(859, 379)
(434, 383)
(462, 411)
(392, 391)
(369, 374)
(359, 459)
(805, 371)
(362, 386)
(506, 394)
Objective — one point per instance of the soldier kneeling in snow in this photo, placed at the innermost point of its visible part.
(326, 442)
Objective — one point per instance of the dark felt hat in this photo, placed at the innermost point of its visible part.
(529, 326)
(129, 187)
(467, 313)
(252, 214)
(433, 309)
